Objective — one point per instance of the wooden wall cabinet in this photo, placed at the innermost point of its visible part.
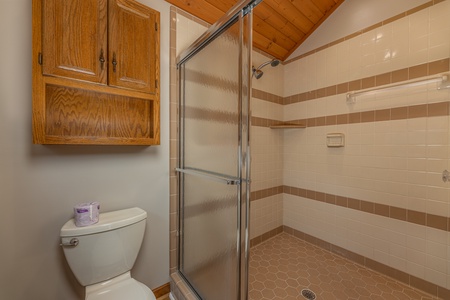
(95, 72)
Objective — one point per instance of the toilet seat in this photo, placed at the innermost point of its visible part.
(119, 288)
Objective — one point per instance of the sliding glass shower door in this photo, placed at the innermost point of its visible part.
(214, 77)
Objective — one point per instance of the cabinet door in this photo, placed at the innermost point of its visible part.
(133, 46)
(75, 39)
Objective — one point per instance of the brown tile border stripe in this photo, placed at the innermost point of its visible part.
(390, 114)
(401, 214)
(211, 115)
(359, 32)
(398, 275)
(264, 237)
(414, 72)
(267, 96)
(266, 193)
(211, 80)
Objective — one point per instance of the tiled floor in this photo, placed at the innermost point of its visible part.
(281, 267)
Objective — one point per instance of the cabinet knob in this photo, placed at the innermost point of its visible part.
(101, 59)
(114, 62)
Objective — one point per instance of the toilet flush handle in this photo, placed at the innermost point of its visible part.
(72, 243)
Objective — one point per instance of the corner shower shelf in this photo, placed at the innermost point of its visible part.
(283, 126)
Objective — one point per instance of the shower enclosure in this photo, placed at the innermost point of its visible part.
(214, 157)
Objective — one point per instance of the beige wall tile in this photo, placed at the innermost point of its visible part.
(375, 187)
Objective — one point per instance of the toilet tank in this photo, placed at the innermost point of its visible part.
(106, 249)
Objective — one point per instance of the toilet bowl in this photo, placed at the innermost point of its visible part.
(102, 255)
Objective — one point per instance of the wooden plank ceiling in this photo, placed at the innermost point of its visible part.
(279, 26)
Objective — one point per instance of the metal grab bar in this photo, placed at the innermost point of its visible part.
(211, 176)
(442, 79)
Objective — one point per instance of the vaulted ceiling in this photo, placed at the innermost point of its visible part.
(279, 26)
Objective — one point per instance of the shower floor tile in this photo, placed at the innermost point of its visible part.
(281, 267)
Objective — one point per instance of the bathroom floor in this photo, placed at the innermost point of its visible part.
(281, 267)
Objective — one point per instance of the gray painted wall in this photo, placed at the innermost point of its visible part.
(39, 185)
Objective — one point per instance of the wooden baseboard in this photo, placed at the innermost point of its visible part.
(162, 290)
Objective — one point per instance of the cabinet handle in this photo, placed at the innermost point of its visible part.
(114, 62)
(102, 59)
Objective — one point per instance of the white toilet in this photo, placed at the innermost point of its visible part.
(102, 255)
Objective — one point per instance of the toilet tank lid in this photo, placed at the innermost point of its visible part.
(107, 221)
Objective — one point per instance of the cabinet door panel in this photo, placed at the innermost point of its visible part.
(132, 46)
(75, 39)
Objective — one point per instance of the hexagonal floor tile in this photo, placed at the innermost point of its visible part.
(295, 265)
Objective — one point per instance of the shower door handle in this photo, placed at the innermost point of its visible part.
(229, 180)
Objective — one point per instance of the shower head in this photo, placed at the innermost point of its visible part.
(257, 71)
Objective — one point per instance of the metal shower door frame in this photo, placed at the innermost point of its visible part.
(242, 13)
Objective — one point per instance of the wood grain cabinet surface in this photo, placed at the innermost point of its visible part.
(95, 72)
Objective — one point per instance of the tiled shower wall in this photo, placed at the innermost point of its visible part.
(381, 196)
(266, 208)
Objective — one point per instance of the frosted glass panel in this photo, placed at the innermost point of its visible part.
(209, 259)
(212, 106)
(214, 160)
